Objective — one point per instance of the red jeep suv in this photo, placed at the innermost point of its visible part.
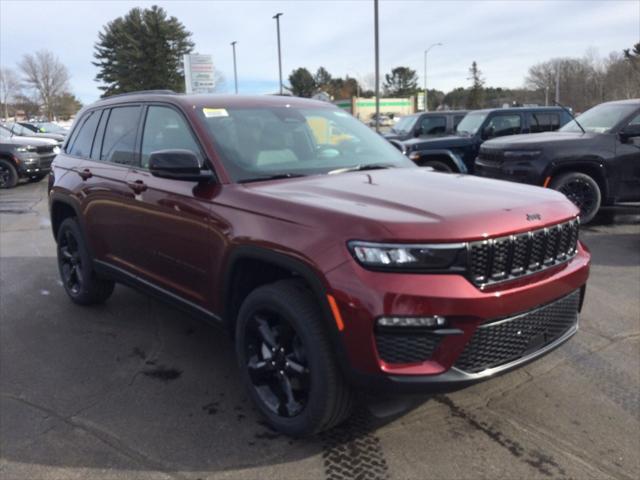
(334, 261)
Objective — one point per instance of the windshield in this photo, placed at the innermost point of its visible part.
(470, 124)
(600, 119)
(257, 143)
(4, 133)
(48, 127)
(405, 124)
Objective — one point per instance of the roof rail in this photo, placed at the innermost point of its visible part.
(142, 92)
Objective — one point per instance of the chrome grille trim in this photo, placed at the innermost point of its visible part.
(501, 259)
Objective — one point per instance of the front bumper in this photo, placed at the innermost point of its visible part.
(467, 308)
(34, 164)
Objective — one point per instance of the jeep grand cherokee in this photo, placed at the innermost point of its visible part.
(335, 266)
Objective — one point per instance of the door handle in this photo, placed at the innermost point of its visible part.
(137, 186)
(85, 174)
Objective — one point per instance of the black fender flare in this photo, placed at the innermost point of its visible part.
(457, 161)
(596, 164)
(295, 265)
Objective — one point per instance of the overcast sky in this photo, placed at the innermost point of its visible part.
(504, 37)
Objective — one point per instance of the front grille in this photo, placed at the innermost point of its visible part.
(505, 258)
(406, 347)
(45, 149)
(507, 340)
(491, 157)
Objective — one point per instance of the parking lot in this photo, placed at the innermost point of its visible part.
(137, 390)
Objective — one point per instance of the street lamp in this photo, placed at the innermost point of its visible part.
(377, 62)
(277, 17)
(426, 106)
(235, 70)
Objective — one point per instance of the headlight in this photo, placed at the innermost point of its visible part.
(414, 156)
(28, 148)
(521, 154)
(429, 257)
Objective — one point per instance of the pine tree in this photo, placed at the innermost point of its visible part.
(142, 51)
(401, 82)
(475, 99)
(302, 83)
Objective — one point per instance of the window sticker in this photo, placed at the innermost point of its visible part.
(215, 112)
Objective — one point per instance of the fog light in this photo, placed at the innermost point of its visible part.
(435, 321)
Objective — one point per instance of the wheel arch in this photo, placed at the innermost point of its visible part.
(447, 156)
(594, 169)
(245, 261)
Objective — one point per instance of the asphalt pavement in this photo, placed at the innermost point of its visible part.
(135, 389)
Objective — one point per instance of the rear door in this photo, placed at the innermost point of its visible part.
(174, 238)
(107, 199)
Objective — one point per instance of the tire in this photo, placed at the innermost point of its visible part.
(438, 166)
(8, 174)
(79, 280)
(280, 333)
(582, 190)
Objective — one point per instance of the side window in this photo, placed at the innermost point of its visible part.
(81, 146)
(166, 129)
(456, 120)
(433, 125)
(543, 122)
(635, 121)
(97, 143)
(501, 125)
(118, 144)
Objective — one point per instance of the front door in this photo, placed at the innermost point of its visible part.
(173, 240)
(628, 160)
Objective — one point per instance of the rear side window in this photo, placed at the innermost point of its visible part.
(433, 125)
(118, 145)
(543, 122)
(166, 129)
(82, 142)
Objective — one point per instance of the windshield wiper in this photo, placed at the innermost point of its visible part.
(271, 177)
(361, 168)
(571, 114)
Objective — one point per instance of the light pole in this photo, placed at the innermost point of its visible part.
(426, 106)
(377, 54)
(277, 17)
(235, 70)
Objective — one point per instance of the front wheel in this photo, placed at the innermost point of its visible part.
(287, 361)
(438, 166)
(582, 190)
(8, 174)
(79, 280)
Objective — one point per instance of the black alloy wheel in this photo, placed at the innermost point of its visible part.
(70, 262)
(8, 174)
(277, 364)
(583, 191)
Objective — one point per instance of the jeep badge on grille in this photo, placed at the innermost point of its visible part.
(533, 216)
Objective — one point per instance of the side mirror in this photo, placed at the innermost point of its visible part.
(488, 132)
(629, 132)
(177, 165)
(417, 132)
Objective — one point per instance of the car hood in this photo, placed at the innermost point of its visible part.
(436, 143)
(551, 139)
(35, 141)
(409, 204)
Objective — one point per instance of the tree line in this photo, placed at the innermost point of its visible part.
(581, 83)
(40, 86)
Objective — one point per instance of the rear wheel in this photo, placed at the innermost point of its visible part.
(8, 174)
(79, 280)
(287, 361)
(582, 190)
(438, 166)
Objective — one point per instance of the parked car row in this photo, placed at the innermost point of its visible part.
(594, 159)
(27, 150)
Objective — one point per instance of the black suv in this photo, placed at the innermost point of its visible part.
(24, 157)
(426, 124)
(593, 161)
(456, 153)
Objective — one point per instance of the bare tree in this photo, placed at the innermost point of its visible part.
(45, 74)
(9, 88)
